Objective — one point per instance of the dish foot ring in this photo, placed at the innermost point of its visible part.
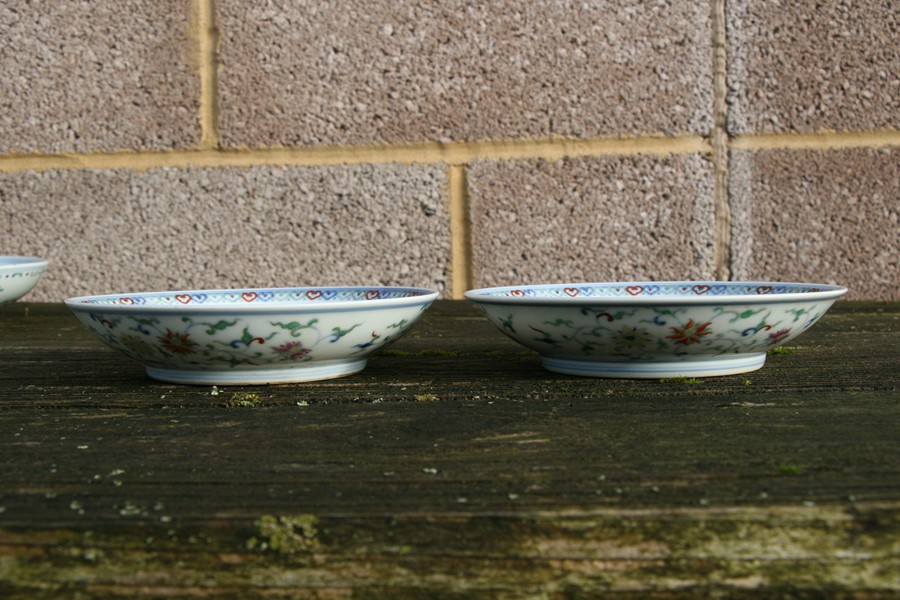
(316, 371)
(706, 367)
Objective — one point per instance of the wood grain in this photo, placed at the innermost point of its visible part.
(453, 466)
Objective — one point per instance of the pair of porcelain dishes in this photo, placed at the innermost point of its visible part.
(621, 329)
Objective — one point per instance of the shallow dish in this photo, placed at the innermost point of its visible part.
(18, 275)
(253, 336)
(655, 329)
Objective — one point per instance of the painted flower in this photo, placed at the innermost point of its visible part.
(292, 350)
(778, 336)
(137, 345)
(632, 339)
(690, 333)
(178, 343)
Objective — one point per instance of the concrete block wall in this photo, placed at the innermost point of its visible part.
(175, 144)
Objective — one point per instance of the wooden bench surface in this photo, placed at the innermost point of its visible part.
(452, 466)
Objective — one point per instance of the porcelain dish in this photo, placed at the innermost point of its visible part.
(253, 336)
(18, 275)
(655, 329)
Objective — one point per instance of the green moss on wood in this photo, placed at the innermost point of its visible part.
(289, 534)
(424, 352)
(243, 400)
(789, 470)
(782, 350)
(396, 353)
(682, 380)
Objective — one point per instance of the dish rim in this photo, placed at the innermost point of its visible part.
(17, 262)
(819, 291)
(89, 302)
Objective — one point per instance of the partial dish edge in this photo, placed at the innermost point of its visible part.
(819, 291)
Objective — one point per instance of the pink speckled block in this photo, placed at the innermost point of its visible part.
(109, 231)
(804, 66)
(592, 219)
(97, 76)
(819, 216)
(375, 71)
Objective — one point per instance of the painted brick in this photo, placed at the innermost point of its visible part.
(592, 219)
(804, 66)
(225, 228)
(96, 76)
(829, 217)
(375, 71)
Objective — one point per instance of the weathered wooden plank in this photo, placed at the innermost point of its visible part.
(452, 354)
(542, 452)
(451, 467)
(512, 493)
(623, 553)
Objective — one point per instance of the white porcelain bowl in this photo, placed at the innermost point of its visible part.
(18, 274)
(253, 336)
(655, 329)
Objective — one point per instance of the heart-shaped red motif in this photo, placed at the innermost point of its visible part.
(517, 293)
(248, 296)
(183, 298)
(571, 292)
(764, 289)
(126, 301)
(372, 294)
(700, 289)
(313, 294)
(635, 290)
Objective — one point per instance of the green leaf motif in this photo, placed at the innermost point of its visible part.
(295, 327)
(339, 333)
(559, 322)
(798, 313)
(141, 321)
(220, 326)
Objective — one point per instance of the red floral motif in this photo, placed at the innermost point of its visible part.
(632, 339)
(778, 336)
(690, 333)
(178, 343)
(293, 350)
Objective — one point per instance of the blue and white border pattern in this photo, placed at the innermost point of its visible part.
(269, 296)
(681, 290)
